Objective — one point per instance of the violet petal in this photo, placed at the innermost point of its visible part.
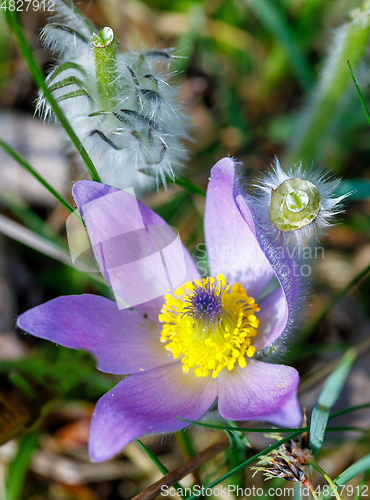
(232, 247)
(260, 391)
(273, 318)
(119, 227)
(145, 403)
(122, 341)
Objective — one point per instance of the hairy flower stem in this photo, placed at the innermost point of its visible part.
(316, 466)
(105, 65)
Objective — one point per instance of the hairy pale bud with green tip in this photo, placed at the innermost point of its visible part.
(105, 64)
(295, 207)
(120, 103)
(295, 203)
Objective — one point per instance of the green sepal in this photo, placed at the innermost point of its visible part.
(70, 95)
(70, 80)
(65, 67)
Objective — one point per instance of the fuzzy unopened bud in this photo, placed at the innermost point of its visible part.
(120, 104)
(296, 207)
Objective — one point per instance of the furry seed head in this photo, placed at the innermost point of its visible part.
(120, 104)
(296, 207)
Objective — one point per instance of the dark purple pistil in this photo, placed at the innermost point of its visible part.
(205, 303)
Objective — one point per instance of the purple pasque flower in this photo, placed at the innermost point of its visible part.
(188, 348)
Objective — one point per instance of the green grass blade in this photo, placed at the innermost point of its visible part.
(235, 428)
(319, 420)
(328, 396)
(189, 186)
(283, 430)
(335, 382)
(152, 457)
(362, 100)
(325, 475)
(155, 460)
(273, 20)
(349, 410)
(20, 465)
(25, 50)
(347, 428)
(24, 163)
(358, 467)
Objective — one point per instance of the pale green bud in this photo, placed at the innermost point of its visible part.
(294, 204)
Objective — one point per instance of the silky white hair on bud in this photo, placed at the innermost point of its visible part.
(296, 207)
(128, 117)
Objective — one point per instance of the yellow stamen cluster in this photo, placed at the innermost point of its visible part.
(210, 324)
